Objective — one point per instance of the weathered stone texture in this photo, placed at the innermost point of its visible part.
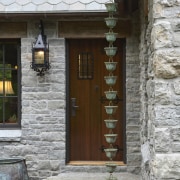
(161, 35)
(163, 92)
(145, 90)
(133, 98)
(162, 140)
(167, 63)
(166, 8)
(167, 166)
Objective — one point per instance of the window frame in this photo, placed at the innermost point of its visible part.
(17, 125)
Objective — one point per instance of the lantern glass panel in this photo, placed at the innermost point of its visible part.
(39, 57)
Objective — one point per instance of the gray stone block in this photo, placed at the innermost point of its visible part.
(95, 176)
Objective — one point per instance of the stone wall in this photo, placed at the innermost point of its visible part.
(161, 144)
(42, 140)
(43, 107)
(145, 116)
(133, 97)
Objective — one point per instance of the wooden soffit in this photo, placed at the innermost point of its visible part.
(92, 29)
(13, 29)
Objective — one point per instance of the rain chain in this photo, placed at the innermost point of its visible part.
(111, 94)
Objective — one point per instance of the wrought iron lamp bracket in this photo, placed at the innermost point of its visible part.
(40, 53)
(103, 99)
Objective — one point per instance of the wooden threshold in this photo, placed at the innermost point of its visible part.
(94, 163)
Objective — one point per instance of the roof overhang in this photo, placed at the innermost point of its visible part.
(125, 9)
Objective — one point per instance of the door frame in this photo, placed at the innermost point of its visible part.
(67, 116)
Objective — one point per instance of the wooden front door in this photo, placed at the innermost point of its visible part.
(87, 99)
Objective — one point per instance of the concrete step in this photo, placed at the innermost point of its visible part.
(94, 176)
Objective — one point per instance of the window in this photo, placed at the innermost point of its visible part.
(9, 83)
(85, 66)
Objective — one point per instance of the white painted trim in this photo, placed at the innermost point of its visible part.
(15, 133)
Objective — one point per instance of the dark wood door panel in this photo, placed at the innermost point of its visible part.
(87, 127)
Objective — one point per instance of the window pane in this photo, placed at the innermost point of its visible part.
(11, 54)
(1, 110)
(11, 115)
(85, 66)
(9, 111)
(15, 82)
(1, 54)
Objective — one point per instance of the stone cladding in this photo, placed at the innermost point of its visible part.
(160, 91)
(133, 97)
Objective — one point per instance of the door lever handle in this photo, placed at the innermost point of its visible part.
(74, 107)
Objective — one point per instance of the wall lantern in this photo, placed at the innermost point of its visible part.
(40, 53)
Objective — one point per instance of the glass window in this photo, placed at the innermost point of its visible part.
(85, 65)
(9, 88)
